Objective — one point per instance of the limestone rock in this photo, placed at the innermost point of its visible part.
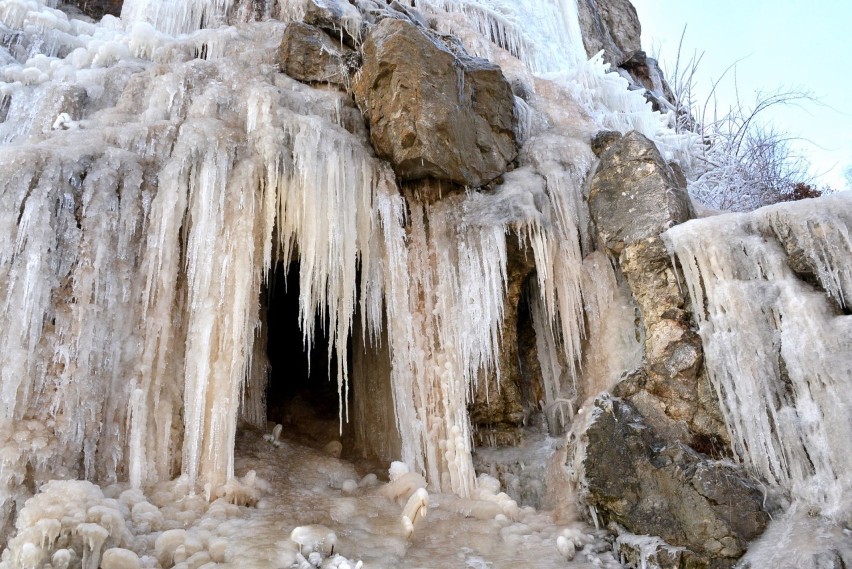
(635, 194)
(611, 26)
(657, 487)
(309, 54)
(432, 112)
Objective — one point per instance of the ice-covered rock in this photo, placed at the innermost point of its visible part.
(308, 54)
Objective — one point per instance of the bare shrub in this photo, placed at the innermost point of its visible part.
(744, 162)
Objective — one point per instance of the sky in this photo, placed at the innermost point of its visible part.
(777, 44)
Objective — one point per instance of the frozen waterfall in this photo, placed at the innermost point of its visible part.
(155, 167)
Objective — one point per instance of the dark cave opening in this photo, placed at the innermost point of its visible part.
(301, 391)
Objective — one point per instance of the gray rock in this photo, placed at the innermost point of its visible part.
(434, 114)
(310, 55)
(634, 197)
(611, 26)
(339, 18)
(635, 194)
(652, 486)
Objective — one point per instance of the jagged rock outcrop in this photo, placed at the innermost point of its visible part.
(634, 197)
(613, 26)
(650, 485)
(434, 113)
(644, 72)
(308, 54)
(609, 25)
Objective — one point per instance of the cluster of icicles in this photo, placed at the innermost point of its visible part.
(148, 182)
(155, 166)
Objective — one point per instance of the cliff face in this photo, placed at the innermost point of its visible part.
(507, 252)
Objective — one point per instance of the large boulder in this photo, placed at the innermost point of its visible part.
(635, 194)
(434, 113)
(652, 486)
(310, 55)
(609, 25)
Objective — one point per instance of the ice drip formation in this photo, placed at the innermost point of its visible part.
(156, 168)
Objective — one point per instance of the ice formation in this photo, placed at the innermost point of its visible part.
(778, 348)
(154, 167)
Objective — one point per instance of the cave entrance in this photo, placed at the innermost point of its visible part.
(301, 389)
(301, 384)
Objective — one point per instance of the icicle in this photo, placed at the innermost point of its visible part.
(138, 416)
(776, 349)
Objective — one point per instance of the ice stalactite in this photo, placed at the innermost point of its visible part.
(136, 236)
(777, 348)
(454, 300)
(253, 401)
(175, 17)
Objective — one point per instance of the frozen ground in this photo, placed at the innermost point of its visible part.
(292, 501)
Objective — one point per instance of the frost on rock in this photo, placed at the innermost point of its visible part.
(777, 348)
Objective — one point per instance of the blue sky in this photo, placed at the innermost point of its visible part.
(782, 44)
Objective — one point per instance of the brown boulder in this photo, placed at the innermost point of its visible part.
(433, 113)
(310, 55)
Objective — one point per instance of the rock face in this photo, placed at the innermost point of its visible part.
(650, 486)
(634, 197)
(434, 113)
(611, 26)
(498, 411)
(309, 54)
